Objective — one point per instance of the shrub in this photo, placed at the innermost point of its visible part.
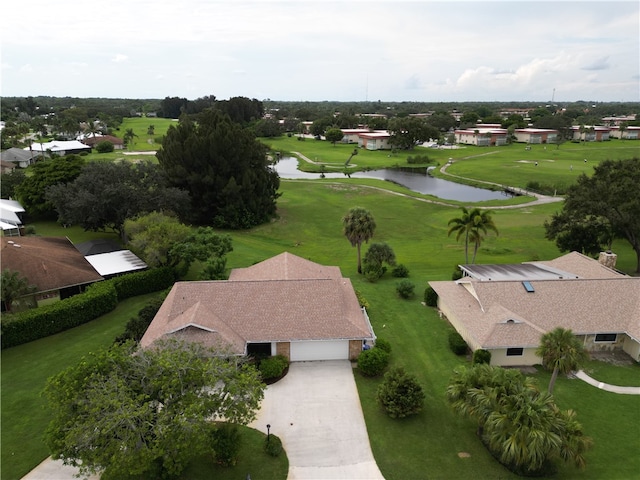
(430, 297)
(361, 300)
(373, 272)
(272, 445)
(400, 271)
(481, 356)
(104, 147)
(400, 394)
(418, 159)
(273, 367)
(225, 440)
(135, 328)
(373, 362)
(457, 273)
(405, 289)
(457, 343)
(383, 344)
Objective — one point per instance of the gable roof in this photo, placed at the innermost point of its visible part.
(14, 154)
(257, 306)
(93, 141)
(285, 266)
(595, 300)
(49, 263)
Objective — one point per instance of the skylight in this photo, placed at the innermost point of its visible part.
(528, 287)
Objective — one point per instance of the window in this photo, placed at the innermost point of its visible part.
(606, 337)
(514, 352)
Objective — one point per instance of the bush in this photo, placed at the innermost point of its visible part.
(273, 367)
(373, 272)
(383, 344)
(104, 147)
(135, 328)
(225, 440)
(430, 297)
(457, 343)
(373, 362)
(400, 394)
(272, 445)
(400, 271)
(457, 273)
(418, 159)
(361, 300)
(481, 356)
(405, 289)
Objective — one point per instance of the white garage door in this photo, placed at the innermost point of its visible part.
(320, 350)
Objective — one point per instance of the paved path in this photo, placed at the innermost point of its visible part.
(315, 410)
(604, 386)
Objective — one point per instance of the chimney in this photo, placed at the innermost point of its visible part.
(608, 259)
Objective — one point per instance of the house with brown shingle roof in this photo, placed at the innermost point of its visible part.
(505, 309)
(52, 264)
(284, 305)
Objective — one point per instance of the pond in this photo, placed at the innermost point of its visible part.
(287, 167)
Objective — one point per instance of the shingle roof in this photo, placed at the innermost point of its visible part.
(49, 263)
(285, 266)
(278, 300)
(601, 301)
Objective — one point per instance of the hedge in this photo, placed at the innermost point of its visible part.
(139, 283)
(98, 299)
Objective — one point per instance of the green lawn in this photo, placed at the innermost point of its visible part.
(309, 225)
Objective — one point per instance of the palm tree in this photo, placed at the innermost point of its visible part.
(14, 286)
(473, 224)
(358, 226)
(482, 223)
(128, 136)
(561, 352)
(520, 425)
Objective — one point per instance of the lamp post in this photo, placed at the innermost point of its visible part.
(268, 427)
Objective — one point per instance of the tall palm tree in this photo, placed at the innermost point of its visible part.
(482, 223)
(472, 224)
(561, 352)
(358, 226)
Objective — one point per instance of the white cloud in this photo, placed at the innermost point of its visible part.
(307, 50)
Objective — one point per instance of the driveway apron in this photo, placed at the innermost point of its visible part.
(315, 410)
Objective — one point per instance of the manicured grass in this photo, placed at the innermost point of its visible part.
(140, 125)
(621, 375)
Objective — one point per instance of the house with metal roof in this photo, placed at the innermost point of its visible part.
(505, 309)
(284, 305)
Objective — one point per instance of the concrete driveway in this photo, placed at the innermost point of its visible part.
(316, 412)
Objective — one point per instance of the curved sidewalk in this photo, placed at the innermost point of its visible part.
(605, 386)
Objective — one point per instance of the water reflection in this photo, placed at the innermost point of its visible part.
(418, 182)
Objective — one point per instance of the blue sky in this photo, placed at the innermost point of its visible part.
(322, 50)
